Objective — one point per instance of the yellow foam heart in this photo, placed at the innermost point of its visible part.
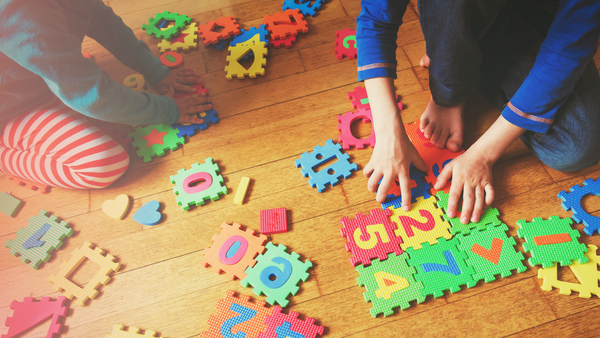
(117, 208)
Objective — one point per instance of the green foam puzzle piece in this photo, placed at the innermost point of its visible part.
(276, 261)
(390, 284)
(170, 141)
(213, 192)
(489, 217)
(52, 239)
(491, 252)
(9, 204)
(440, 267)
(546, 255)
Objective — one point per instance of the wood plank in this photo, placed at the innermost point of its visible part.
(577, 325)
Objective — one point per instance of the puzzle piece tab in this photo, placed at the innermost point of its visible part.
(572, 200)
(345, 44)
(133, 332)
(201, 182)
(30, 312)
(281, 325)
(154, 140)
(35, 186)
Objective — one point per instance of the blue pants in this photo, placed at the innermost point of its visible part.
(490, 46)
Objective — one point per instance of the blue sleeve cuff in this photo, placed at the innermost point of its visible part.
(526, 121)
(377, 71)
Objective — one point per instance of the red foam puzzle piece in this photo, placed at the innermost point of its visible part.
(199, 89)
(31, 312)
(287, 42)
(277, 327)
(345, 44)
(345, 128)
(273, 221)
(284, 24)
(360, 100)
(209, 36)
(35, 186)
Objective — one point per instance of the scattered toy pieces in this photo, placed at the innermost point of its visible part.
(186, 39)
(116, 208)
(346, 138)
(135, 82)
(155, 28)
(287, 42)
(572, 201)
(280, 24)
(234, 68)
(148, 214)
(154, 140)
(210, 35)
(332, 174)
(282, 325)
(9, 204)
(200, 183)
(418, 188)
(273, 221)
(345, 44)
(133, 332)
(30, 312)
(35, 186)
(240, 194)
(303, 6)
(171, 59)
(250, 36)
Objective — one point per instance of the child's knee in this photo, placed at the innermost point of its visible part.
(576, 159)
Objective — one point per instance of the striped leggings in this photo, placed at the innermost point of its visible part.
(55, 145)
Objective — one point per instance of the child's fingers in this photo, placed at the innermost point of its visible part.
(374, 181)
(468, 202)
(479, 200)
(383, 188)
(187, 79)
(404, 180)
(420, 164)
(196, 99)
(368, 169)
(190, 119)
(453, 197)
(489, 194)
(444, 176)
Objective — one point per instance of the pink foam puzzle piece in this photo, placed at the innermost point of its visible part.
(273, 221)
(281, 325)
(31, 312)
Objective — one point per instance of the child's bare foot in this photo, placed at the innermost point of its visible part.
(425, 61)
(443, 126)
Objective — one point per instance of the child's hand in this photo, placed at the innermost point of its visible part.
(189, 106)
(178, 79)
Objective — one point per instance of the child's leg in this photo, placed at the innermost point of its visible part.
(54, 145)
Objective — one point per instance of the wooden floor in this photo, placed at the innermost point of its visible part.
(266, 123)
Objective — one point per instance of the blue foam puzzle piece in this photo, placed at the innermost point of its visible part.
(148, 214)
(304, 6)
(246, 35)
(222, 44)
(190, 130)
(572, 200)
(422, 189)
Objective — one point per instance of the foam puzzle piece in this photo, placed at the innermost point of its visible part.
(133, 332)
(370, 236)
(53, 239)
(35, 186)
(35, 240)
(154, 140)
(31, 312)
(267, 277)
(418, 188)
(233, 250)
(441, 267)
(153, 27)
(390, 284)
(345, 44)
(222, 44)
(240, 194)
(304, 7)
(171, 59)
(107, 265)
(148, 214)
(116, 208)
(346, 139)
(211, 189)
(9, 204)
(210, 116)
(284, 24)
(559, 251)
(287, 42)
(572, 201)
(359, 99)
(252, 35)
(186, 39)
(281, 325)
(423, 223)
(234, 68)
(488, 218)
(273, 221)
(332, 174)
(587, 274)
(137, 82)
(237, 317)
(210, 36)
(491, 252)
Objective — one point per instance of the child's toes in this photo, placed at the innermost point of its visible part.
(454, 143)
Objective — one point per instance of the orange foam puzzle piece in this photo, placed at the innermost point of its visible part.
(210, 36)
(284, 24)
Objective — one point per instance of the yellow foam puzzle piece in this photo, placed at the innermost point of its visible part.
(241, 191)
(423, 223)
(116, 208)
(61, 280)
(587, 274)
(236, 53)
(133, 332)
(190, 41)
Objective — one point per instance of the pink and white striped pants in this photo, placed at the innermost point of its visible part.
(57, 146)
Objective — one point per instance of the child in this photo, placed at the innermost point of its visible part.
(531, 58)
(46, 85)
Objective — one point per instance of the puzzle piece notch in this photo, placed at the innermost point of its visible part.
(35, 186)
(572, 201)
(9, 204)
(179, 22)
(133, 332)
(418, 189)
(280, 24)
(107, 265)
(304, 7)
(210, 36)
(273, 221)
(345, 44)
(31, 312)
(159, 144)
(332, 174)
(278, 320)
(489, 217)
(186, 40)
(346, 138)
(211, 189)
(234, 68)
(267, 266)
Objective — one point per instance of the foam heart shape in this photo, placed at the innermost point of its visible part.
(148, 214)
(117, 208)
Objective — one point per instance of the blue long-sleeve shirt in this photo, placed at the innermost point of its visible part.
(40, 55)
(570, 44)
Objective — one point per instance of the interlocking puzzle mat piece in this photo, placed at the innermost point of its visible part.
(35, 186)
(390, 284)
(201, 182)
(171, 59)
(345, 44)
(210, 36)
(186, 39)
(9, 204)
(31, 312)
(116, 208)
(371, 236)
(148, 214)
(345, 128)
(210, 116)
(441, 267)
(233, 250)
(273, 221)
(587, 274)
(268, 278)
(155, 28)
(234, 68)
(240, 194)
(491, 252)
(281, 325)
(418, 188)
(284, 24)
(222, 44)
(154, 140)
(52, 238)
(287, 42)
(360, 100)
(252, 35)
(423, 223)
(304, 7)
(546, 247)
(572, 200)
(137, 82)
(332, 174)
(237, 317)
(489, 217)
(107, 264)
(133, 332)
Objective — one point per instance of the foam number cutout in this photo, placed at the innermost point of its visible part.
(408, 223)
(233, 250)
(245, 314)
(274, 278)
(135, 82)
(372, 241)
(388, 284)
(190, 193)
(34, 241)
(171, 59)
(451, 268)
(285, 330)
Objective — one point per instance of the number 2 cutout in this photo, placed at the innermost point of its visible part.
(245, 314)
